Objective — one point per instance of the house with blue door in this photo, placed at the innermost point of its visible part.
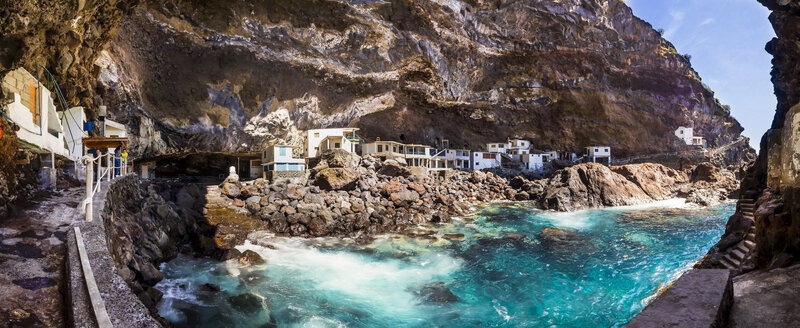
(278, 163)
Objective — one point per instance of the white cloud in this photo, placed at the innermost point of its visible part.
(675, 24)
(707, 21)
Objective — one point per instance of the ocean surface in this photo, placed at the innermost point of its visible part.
(504, 267)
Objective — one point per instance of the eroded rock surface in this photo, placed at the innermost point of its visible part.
(233, 76)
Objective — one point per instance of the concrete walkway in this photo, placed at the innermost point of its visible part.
(32, 254)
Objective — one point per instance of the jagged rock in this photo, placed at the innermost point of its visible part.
(657, 181)
(589, 185)
(336, 179)
(404, 197)
(706, 172)
(249, 257)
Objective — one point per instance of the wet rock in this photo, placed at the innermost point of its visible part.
(247, 303)
(437, 293)
(558, 238)
(209, 287)
(453, 236)
(250, 257)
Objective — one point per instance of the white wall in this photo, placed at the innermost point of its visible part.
(72, 120)
(31, 132)
(314, 139)
(685, 134)
(534, 162)
(479, 163)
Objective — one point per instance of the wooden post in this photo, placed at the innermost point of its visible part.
(89, 187)
(109, 157)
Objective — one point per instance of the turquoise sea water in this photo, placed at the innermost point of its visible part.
(502, 272)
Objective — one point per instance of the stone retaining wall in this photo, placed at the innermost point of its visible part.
(124, 308)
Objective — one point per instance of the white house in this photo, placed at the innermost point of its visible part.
(452, 159)
(32, 109)
(319, 140)
(485, 160)
(595, 152)
(413, 154)
(278, 162)
(687, 136)
(496, 147)
(534, 162)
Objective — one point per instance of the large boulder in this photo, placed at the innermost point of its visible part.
(340, 158)
(589, 185)
(706, 172)
(392, 168)
(658, 181)
(336, 179)
(231, 190)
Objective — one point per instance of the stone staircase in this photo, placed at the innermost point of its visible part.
(744, 249)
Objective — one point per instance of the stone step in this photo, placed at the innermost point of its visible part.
(751, 237)
(728, 263)
(743, 248)
(749, 200)
(751, 245)
(737, 255)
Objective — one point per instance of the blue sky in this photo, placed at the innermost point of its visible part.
(726, 40)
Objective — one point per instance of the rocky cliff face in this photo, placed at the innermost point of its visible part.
(773, 182)
(777, 218)
(235, 76)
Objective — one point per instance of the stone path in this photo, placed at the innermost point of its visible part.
(32, 252)
(767, 298)
(736, 255)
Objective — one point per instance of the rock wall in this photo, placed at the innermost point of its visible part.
(776, 177)
(143, 230)
(236, 76)
(772, 181)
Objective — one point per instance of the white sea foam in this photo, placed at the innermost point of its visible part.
(384, 284)
(584, 219)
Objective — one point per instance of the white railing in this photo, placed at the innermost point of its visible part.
(110, 172)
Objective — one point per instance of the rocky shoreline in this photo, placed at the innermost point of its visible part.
(349, 196)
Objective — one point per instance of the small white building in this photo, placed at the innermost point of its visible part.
(278, 162)
(687, 136)
(319, 140)
(485, 160)
(534, 162)
(452, 159)
(595, 152)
